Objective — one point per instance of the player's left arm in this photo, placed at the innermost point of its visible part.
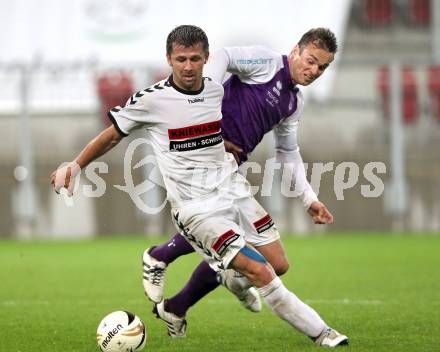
(244, 61)
(287, 152)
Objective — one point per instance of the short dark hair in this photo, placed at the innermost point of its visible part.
(187, 35)
(324, 38)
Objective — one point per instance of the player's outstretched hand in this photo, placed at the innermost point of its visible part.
(319, 213)
(234, 149)
(64, 177)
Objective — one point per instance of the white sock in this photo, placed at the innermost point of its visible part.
(291, 309)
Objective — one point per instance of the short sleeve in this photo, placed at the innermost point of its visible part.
(132, 116)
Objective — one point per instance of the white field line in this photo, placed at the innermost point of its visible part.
(342, 301)
(41, 302)
(345, 301)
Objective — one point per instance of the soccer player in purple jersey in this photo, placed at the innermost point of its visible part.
(261, 95)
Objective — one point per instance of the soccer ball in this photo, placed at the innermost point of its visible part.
(121, 331)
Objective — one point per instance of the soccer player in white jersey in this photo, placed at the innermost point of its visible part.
(261, 95)
(211, 203)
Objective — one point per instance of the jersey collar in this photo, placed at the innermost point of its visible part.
(183, 91)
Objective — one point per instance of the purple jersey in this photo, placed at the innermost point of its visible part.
(258, 96)
(252, 110)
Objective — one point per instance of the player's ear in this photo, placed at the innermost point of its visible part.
(296, 51)
(206, 57)
(169, 60)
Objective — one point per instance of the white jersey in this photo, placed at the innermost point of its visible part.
(185, 133)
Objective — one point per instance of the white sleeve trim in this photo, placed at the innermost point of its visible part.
(112, 118)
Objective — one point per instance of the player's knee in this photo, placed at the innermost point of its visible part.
(254, 266)
(282, 268)
(260, 273)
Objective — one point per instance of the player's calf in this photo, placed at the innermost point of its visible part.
(284, 303)
(281, 269)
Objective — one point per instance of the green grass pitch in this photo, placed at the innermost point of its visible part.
(382, 291)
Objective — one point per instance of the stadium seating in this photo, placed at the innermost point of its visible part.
(420, 12)
(114, 89)
(377, 12)
(434, 90)
(410, 110)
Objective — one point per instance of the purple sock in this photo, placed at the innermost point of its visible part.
(202, 281)
(169, 251)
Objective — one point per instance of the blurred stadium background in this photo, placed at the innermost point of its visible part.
(63, 64)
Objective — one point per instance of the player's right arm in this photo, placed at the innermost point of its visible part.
(101, 144)
(288, 152)
(132, 116)
(98, 146)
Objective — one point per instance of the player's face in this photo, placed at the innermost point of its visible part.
(187, 64)
(307, 65)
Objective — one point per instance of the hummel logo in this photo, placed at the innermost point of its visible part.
(196, 100)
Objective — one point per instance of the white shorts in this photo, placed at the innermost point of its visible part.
(219, 225)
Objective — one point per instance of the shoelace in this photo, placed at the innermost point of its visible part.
(156, 275)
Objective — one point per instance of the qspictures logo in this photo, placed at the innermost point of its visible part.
(283, 178)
